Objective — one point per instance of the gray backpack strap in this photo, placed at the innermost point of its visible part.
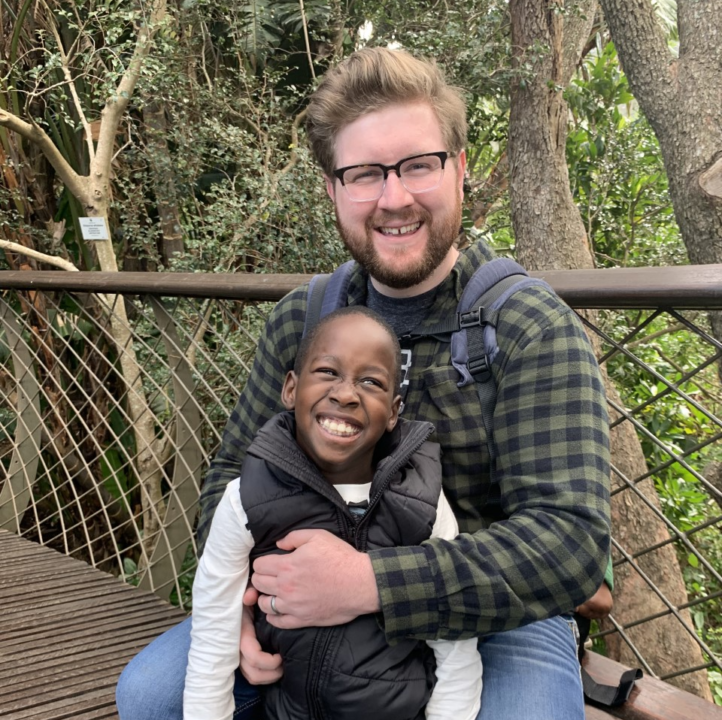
(327, 293)
(316, 291)
(474, 346)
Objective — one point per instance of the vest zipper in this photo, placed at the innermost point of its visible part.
(321, 643)
(389, 474)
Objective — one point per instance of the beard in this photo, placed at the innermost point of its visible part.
(442, 232)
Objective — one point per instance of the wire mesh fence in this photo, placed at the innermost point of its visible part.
(113, 401)
(110, 409)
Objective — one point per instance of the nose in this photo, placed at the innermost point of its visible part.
(344, 393)
(395, 195)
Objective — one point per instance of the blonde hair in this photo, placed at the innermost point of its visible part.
(372, 79)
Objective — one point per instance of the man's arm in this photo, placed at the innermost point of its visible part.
(552, 472)
(258, 402)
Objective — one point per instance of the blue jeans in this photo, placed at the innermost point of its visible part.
(151, 686)
(530, 673)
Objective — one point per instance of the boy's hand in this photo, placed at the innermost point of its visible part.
(258, 667)
(599, 605)
(320, 581)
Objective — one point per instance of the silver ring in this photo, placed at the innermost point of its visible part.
(274, 609)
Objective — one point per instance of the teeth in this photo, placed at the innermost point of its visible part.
(338, 427)
(402, 230)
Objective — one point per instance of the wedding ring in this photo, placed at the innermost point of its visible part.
(274, 609)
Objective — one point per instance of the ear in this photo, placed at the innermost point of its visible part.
(288, 393)
(394, 416)
(461, 169)
(330, 187)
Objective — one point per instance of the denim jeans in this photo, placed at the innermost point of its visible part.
(531, 673)
(151, 686)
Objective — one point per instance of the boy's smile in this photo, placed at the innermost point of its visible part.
(344, 397)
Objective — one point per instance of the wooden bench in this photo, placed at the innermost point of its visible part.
(67, 631)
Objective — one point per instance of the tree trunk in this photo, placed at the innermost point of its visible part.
(547, 225)
(163, 180)
(550, 234)
(681, 98)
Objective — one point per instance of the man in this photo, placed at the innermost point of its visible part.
(389, 135)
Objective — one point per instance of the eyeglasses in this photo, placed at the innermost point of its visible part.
(418, 174)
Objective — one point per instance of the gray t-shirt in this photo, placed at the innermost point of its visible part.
(403, 314)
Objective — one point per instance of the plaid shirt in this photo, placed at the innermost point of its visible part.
(534, 535)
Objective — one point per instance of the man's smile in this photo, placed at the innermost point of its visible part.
(404, 230)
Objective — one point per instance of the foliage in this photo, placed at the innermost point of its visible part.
(616, 171)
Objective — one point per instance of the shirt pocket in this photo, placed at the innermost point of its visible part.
(456, 415)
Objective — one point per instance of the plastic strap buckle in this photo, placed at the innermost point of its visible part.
(473, 318)
(480, 368)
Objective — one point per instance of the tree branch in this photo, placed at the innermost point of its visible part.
(700, 26)
(34, 133)
(711, 180)
(578, 24)
(306, 38)
(116, 105)
(49, 259)
(293, 159)
(71, 86)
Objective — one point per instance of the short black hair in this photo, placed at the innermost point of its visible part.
(308, 340)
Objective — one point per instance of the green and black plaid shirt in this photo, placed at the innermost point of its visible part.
(535, 535)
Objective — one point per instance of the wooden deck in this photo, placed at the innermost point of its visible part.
(66, 632)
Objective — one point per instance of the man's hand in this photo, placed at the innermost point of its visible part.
(321, 581)
(599, 605)
(258, 667)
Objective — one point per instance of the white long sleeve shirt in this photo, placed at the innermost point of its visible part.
(218, 589)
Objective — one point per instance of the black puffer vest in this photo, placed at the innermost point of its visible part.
(345, 672)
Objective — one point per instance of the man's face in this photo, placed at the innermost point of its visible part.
(344, 397)
(404, 240)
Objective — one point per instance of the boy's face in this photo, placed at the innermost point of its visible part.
(344, 397)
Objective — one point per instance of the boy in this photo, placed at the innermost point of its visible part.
(340, 462)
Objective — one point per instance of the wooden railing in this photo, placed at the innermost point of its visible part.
(81, 475)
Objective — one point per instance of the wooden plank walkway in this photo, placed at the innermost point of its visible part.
(66, 632)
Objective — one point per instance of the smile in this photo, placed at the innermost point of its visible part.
(339, 428)
(404, 230)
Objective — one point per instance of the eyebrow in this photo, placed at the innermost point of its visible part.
(368, 368)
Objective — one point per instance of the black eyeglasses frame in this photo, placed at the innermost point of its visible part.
(442, 155)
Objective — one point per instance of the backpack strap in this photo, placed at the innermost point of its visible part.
(597, 693)
(473, 346)
(327, 293)
(610, 695)
(316, 291)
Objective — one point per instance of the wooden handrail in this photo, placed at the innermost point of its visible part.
(682, 287)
